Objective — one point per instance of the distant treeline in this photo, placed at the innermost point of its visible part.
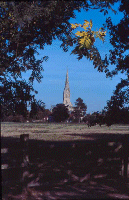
(40, 114)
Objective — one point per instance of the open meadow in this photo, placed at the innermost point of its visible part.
(68, 165)
(58, 131)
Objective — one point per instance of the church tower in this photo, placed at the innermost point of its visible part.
(66, 94)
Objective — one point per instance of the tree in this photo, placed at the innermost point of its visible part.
(115, 110)
(84, 43)
(14, 99)
(119, 38)
(79, 109)
(118, 56)
(23, 32)
(125, 115)
(90, 120)
(27, 26)
(100, 118)
(37, 110)
(60, 113)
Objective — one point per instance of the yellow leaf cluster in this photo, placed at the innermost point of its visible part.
(73, 26)
(80, 33)
(86, 24)
(87, 37)
(76, 24)
(102, 33)
(86, 40)
(82, 40)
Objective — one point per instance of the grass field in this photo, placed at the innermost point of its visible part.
(62, 171)
(58, 132)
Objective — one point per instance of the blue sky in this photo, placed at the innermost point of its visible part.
(85, 81)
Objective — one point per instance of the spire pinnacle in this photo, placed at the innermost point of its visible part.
(66, 94)
(67, 79)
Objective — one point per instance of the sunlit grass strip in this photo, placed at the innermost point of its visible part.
(53, 131)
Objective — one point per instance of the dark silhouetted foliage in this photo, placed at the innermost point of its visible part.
(29, 26)
(79, 109)
(60, 113)
(37, 110)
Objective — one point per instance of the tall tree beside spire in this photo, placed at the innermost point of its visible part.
(79, 109)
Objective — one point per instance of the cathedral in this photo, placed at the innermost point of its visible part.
(66, 95)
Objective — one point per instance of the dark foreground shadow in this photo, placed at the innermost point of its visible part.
(88, 169)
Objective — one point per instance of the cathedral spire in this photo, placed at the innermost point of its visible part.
(67, 79)
(66, 94)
